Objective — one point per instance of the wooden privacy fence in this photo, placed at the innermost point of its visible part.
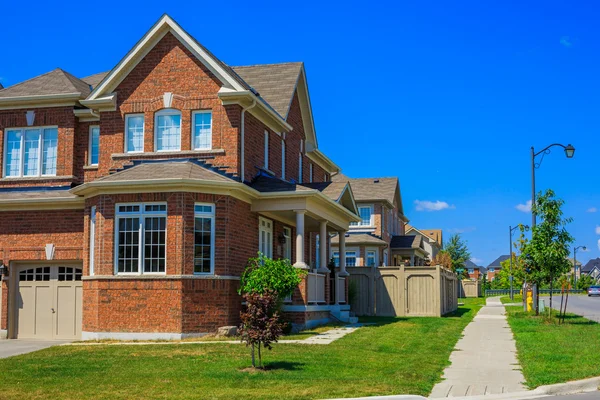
(403, 291)
(469, 289)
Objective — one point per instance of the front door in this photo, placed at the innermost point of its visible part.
(48, 303)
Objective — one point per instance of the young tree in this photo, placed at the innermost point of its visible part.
(457, 249)
(545, 255)
(443, 258)
(518, 273)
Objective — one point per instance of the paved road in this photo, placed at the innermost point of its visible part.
(588, 307)
(13, 347)
(583, 396)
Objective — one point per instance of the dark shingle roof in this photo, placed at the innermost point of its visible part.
(470, 264)
(266, 184)
(51, 83)
(406, 242)
(149, 171)
(333, 190)
(589, 266)
(360, 238)
(497, 261)
(367, 189)
(276, 83)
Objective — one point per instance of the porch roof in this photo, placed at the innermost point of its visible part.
(39, 198)
(360, 238)
(406, 242)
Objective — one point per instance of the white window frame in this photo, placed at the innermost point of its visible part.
(142, 228)
(194, 113)
(211, 215)
(282, 159)
(367, 251)
(92, 238)
(360, 223)
(42, 130)
(266, 150)
(92, 127)
(471, 271)
(310, 172)
(268, 231)
(162, 113)
(127, 118)
(300, 168)
(287, 247)
(492, 270)
(356, 254)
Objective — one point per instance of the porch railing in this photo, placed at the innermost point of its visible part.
(315, 286)
(341, 289)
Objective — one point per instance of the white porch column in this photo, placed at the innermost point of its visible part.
(300, 240)
(412, 260)
(342, 247)
(323, 261)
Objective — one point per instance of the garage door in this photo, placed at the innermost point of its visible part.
(49, 303)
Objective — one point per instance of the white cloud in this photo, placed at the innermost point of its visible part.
(462, 230)
(426, 205)
(476, 260)
(566, 41)
(592, 210)
(597, 229)
(524, 207)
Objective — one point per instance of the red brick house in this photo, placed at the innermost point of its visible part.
(131, 200)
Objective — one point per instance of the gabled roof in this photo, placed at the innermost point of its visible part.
(433, 234)
(55, 82)
(571, 261)
(406, 242)
(374, 189)
(497, 261)
(360, 238)
(276, 83)
(589, 266)
(471, 264)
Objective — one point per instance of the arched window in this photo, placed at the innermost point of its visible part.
(167, 130)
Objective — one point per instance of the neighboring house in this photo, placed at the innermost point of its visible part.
(379, 205)
(432, 239)
(592, 268)
(573, 269)
(473, 270)
(495, 267)
(131, 200)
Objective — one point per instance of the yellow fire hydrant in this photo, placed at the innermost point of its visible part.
(529, 300)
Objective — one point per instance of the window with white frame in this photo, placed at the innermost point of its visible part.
(300, 168)
(204, 238)
(471, 271)
(94, 150)
(141, 233)
(310, 173)
(336, 258)
(282, 159)
(366, 216)
(202, 130)
(134, 133)
(351, 258)
(317, 252)
(266, 156)
(287, 247)
(371, 258)
(30, 152)
(167, 130)
(265, 237)
(92, 238)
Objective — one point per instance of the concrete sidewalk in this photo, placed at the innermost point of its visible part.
(484, 361)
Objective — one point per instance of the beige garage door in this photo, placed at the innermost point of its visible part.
(49, 303)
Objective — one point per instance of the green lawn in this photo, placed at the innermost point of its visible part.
(396, 356)
(517, 299)
(551, 353)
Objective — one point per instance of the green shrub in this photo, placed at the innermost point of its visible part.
(265, 275)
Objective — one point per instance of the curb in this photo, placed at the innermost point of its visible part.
(392, 397)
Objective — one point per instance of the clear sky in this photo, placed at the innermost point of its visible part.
(447, 96)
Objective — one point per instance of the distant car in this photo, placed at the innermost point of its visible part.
(594, 291)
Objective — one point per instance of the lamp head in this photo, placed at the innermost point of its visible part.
(569, 151)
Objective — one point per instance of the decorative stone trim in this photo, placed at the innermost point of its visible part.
(168, 154)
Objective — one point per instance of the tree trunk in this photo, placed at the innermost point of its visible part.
(260, 364)
(551, 287)
(253, 362)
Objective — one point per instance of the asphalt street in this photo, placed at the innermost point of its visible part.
(582, 396)
(588, 307)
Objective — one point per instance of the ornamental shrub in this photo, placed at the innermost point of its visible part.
(276, 277)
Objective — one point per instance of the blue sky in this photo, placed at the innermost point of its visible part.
(448, 96)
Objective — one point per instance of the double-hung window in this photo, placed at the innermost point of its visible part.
(204, 238)
(94, 145)
(266, 156)
(134, 133)
(141, 237)
(167, 130)
(202, 130)
(282, 159)
(30, 152)
(350, 258)
(371, 258)
(366, 216)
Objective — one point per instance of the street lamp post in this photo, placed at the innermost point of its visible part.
(569, 152)
(575, 261)
(510, 234)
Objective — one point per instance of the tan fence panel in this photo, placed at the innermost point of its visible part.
(470, 289)
(364, 302)
(421, 298)
(388, 300)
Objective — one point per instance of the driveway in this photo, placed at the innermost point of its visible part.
(13, 347)
(588, 307)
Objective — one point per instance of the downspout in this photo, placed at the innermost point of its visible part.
(242, 139)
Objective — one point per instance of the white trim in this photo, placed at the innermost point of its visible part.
(127, 117)
(366, 259)
(92, 127)
(300, 168)
(268, 230)
(141, 214)
(266, 150)
(212, 216)
(193, 127)
(162, 113)
(283, 159)
(310, 172)
(360, 224)
(92, 239)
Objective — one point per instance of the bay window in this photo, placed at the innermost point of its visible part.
(202, 130)
(204, 238)
(31, 152)
(141, 233)
(167, 131)
(134, 133)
